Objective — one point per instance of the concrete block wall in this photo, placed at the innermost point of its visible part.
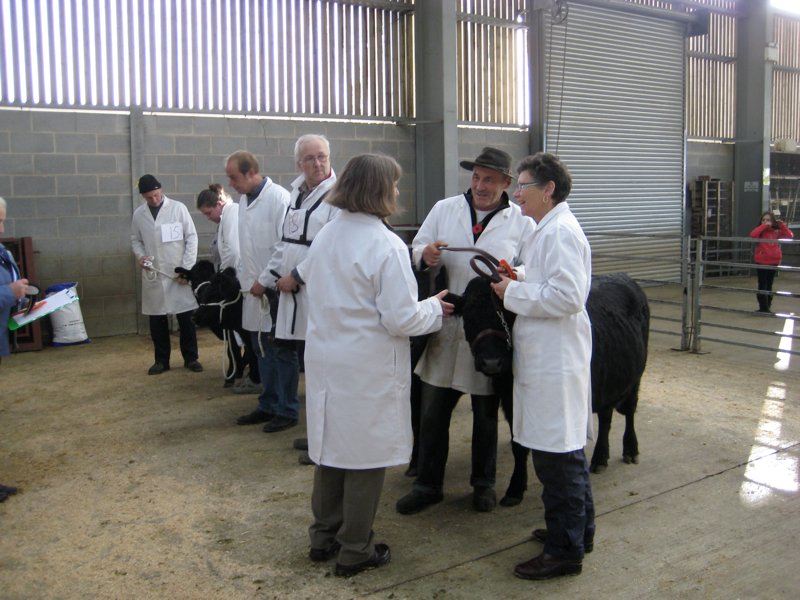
(713, 159)
(66, 179)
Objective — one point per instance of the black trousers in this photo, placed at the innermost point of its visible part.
(159, 332)
(766, 277)
(568, 501)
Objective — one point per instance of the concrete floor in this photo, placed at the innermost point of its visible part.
(146, 489)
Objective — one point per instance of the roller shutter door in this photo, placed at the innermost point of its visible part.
(619, 125)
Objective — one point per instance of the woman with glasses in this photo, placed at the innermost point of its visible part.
(552, 356)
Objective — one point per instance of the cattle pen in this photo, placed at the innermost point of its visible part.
(137, 487)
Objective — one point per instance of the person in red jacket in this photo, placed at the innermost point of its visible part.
(771, 228)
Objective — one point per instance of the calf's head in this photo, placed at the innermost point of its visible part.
(488, 334)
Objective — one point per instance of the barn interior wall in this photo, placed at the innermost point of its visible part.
(472, 141)
(66, 176)
(712, 159)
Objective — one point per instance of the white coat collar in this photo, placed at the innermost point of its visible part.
(261, 194)
(557, 210)
(324, 185)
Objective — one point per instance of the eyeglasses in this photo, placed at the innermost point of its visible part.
(522, 186)
(310, 160)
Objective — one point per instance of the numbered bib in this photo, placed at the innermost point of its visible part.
(171, 232)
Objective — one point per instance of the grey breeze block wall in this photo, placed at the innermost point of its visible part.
(66, 176)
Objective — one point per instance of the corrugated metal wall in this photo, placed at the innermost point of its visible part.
(615, 115)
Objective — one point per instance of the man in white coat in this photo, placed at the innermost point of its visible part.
(306, 215)
(483, 217)
(262, 206)
(163, 236)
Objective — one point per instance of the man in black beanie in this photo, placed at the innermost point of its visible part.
(163, 236)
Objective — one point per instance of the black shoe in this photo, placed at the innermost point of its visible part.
(540, 535)
(8, 490)
(484, 499)
(416, 501)
(279, 423)
(255, 417)
(193, 366)
(305, 459)
(3, 496)
(300, 444)
(380, 557)
(324, 554)
(546, 566)
(158, 368)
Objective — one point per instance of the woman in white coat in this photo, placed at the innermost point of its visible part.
(552, 356)
(218, 208)
(362, 309)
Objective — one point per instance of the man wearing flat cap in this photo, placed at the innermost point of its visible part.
(482, 217)
(163, 237)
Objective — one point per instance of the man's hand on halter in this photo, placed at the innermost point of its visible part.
(286, 283)
(257, 290)
(432, 253)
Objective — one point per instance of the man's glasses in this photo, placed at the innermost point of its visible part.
(321, 158)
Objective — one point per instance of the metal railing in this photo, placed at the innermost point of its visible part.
(699, 267)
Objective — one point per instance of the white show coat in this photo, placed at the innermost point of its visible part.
(260, 225)
(163, 295)
(225, 247)
(362, 309)
(553, 337)
(298, 227)
(447, 361)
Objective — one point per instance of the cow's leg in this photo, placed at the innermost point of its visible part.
(416, 411)
(250, 358)
(630, 444)
(519, 478)
(601, 452)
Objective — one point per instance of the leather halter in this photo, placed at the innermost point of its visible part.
(492, 277)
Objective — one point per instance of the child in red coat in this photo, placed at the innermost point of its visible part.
(771, 228)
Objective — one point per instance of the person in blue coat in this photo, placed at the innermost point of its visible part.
(12, 289)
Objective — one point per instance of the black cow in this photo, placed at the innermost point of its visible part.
(620, 318)
(212, 290)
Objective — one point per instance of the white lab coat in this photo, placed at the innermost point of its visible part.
(293, 308)
(553, 337)
(260, 225)
(447, 361)
(362, 309)
(163, 295)
(225, 247)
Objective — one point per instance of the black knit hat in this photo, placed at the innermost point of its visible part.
(148, 183)
(491, 158)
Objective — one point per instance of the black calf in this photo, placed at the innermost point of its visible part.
(620, 317)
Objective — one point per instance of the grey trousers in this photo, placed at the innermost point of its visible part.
(344, 503)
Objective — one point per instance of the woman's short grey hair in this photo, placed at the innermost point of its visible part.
(307, 138)
(544, 167)
(3, 204)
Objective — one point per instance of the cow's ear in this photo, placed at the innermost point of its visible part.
(456, 301)
(182, 271)
(229, 272)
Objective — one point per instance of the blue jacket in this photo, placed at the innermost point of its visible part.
(8, 273)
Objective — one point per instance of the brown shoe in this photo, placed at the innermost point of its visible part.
(546, 566)
(540, 535)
